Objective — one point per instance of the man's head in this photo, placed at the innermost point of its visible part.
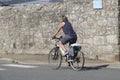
(64, 18)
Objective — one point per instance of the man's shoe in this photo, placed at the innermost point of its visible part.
(65, 54)
(69, 58)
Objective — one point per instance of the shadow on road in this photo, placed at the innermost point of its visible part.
(86, 68)
(95, 67)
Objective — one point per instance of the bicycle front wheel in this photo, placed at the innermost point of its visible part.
(55, 58)
(78, 62)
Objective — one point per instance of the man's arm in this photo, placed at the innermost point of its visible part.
(58, 29)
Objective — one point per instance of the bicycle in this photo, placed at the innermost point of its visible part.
(75, 55)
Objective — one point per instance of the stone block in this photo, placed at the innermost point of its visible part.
(99, 40)
(104, 49)
(112, 39)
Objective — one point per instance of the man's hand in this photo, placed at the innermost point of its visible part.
(53, 37)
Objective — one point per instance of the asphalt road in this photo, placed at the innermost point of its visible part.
(10, 71)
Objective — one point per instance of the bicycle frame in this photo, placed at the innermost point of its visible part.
(57, 45)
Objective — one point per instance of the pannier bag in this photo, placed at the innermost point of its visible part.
(74, 48)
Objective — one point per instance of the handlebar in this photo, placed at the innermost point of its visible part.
(56, 38)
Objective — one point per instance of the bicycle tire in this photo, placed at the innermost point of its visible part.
(78, 63)
(55, 58)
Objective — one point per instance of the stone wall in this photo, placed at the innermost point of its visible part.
(119, 28)
(28, 29)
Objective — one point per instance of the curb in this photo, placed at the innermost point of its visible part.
(115, 65)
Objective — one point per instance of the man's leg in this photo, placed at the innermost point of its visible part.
(62, 46)
(64, 41)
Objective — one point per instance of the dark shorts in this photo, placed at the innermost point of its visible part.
(69, 39)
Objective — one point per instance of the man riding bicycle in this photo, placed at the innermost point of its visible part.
(70, 35)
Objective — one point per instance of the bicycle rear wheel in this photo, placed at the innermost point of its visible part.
(78, 63)
(55, 58)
